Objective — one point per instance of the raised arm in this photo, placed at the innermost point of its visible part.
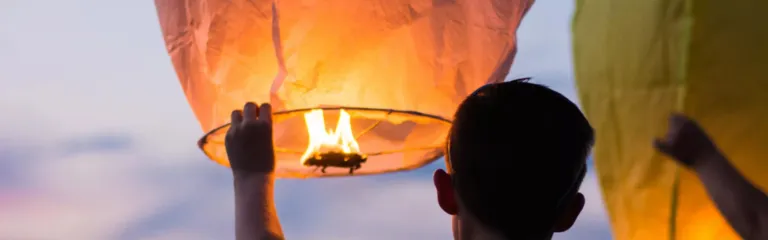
(743, 205)
(252, 158)
(255, 212)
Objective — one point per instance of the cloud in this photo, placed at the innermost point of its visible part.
(119, 193)
(83, 189)
(97, 141)
(109, 194)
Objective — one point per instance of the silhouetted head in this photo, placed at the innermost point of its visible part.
(516, 157)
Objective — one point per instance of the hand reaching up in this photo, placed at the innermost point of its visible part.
(686, 141)
(252, 158)
(249, 140)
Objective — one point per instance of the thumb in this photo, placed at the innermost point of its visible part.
(662, 146)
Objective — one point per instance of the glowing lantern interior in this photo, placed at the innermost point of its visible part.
(398, 68)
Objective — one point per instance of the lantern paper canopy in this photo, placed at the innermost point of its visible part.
(636, 62)
(375, 80)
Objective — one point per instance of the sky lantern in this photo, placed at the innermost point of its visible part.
(358, 86)
(636, 62)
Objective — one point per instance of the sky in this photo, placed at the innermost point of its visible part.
(97, 140)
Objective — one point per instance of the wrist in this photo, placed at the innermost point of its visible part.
(710, 160)
(253, 179)
(246, 164)
(241, 173)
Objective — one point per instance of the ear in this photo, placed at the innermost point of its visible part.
(445, 194)
(571, 213)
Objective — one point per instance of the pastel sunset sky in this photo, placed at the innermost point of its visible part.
(97, 140)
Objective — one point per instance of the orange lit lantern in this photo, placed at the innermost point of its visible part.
(386, 73)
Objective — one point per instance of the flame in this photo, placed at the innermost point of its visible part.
(321, 140)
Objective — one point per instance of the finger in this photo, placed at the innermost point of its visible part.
(237, 117)
(675, 124)
(677, 119)
(265, 112)
(250, 111)
(677, 115)
(661, 146)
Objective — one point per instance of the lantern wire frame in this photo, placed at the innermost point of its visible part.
(392, 140)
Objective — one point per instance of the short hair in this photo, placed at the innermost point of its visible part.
(515, 151)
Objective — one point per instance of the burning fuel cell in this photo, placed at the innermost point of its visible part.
(331, 148)
(358, 86)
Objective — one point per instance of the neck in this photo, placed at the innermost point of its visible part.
(472, 230)
(478, 235)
